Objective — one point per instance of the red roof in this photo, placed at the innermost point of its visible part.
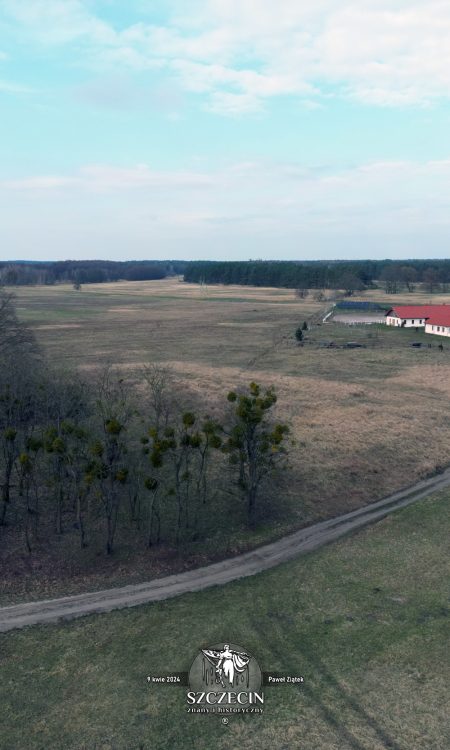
(418, 311)
(440, 316)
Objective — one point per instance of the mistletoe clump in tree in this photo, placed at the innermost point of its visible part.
(180, 455)
(108, 470)
(256, 446)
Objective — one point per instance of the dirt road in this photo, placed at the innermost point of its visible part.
(217, 574)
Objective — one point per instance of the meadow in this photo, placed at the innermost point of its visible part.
(365, 421)
(364, 621)
(362, 418)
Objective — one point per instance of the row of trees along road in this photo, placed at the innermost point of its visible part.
(93, 457)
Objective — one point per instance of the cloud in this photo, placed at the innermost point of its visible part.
(104, 178)
(399, 208)
(122, 92)
(267, 189)
(59, 21)
(10, 87)
(240, 54)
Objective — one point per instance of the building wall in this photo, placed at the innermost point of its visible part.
(414, 323)
(437, 330)
(408, 322)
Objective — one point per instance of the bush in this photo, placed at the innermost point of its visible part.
(299, 334)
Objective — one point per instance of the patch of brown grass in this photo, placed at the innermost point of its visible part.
(353, 443)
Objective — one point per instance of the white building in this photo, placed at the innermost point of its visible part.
(411, 316)
(438, 322)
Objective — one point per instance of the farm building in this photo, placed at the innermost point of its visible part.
(439, 321)
(412, 316)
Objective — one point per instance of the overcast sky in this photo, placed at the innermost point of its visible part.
(224, 129)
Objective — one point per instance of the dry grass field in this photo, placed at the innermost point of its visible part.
(136, 322)
(366, 421)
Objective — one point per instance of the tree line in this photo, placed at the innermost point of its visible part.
(351, 276)
(86, 272)
(93, 456)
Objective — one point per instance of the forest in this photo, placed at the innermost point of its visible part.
(25, 273)
(351, 276)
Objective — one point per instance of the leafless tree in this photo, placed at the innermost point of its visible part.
(160, 392)
(13, 333)
(115, 409)
(431, 280)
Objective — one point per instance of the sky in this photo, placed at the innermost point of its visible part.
(224, 129)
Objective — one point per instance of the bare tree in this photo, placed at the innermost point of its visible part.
(431, 280)
(180, 448)
(160, 390)
(114, 408)
(350, 283)
(392, 279)
(409, 276)
(13, 334)
(20, 394)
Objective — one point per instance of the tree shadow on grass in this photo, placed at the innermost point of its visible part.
(308, 660)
